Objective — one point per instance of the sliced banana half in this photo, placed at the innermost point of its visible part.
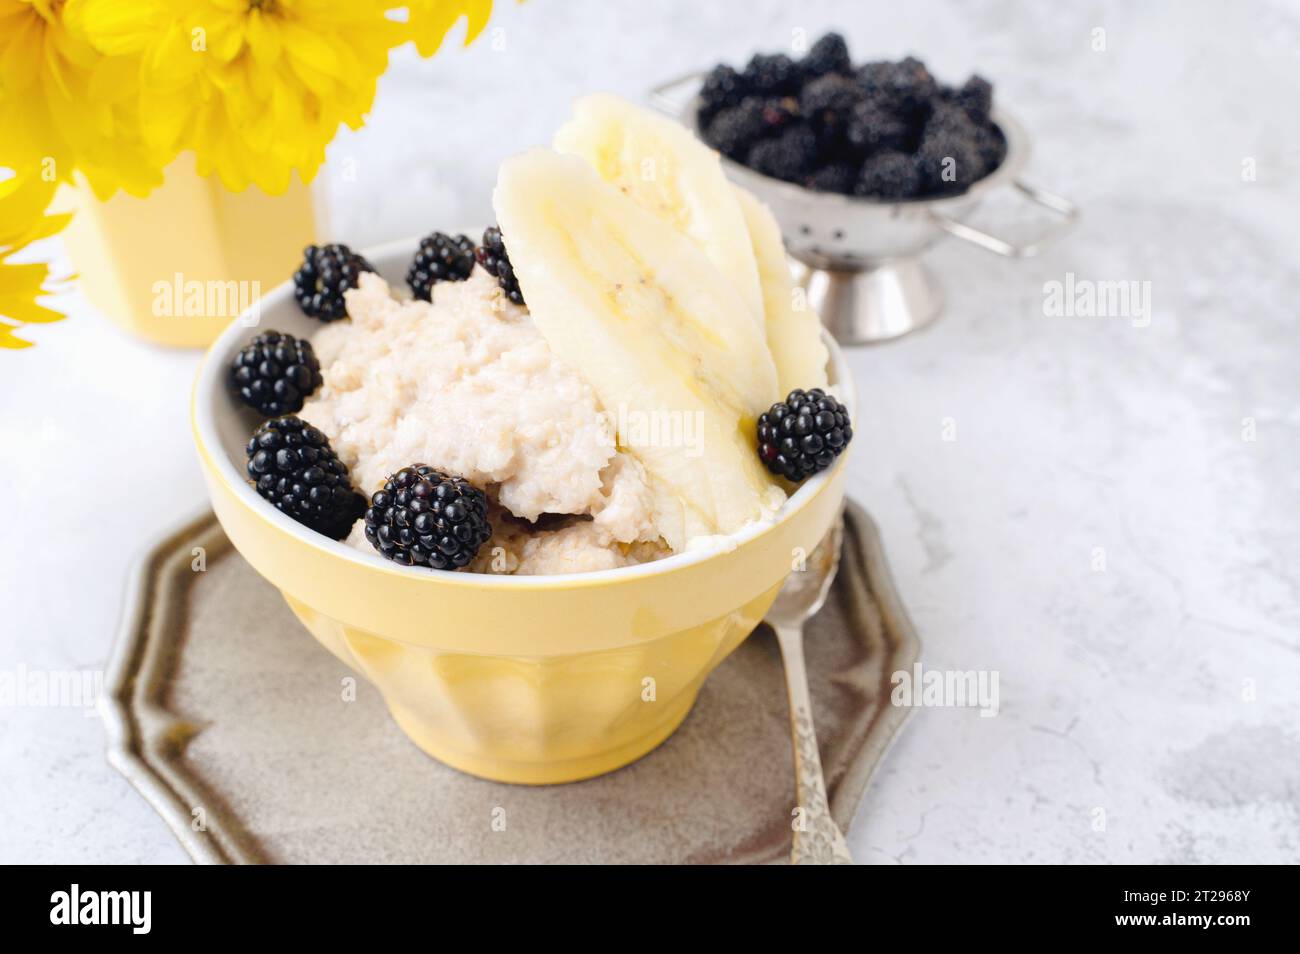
(659, 333)
(793, 328)
(670, 173)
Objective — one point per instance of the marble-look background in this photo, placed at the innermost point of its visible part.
(1162, 690)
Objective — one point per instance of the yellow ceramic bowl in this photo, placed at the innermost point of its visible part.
(530, 679)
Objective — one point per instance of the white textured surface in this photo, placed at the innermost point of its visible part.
(1121, 690)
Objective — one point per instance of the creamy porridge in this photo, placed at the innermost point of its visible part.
(466, 384)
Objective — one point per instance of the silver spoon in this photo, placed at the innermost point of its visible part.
(817, 839)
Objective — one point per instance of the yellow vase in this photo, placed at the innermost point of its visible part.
(176, 267)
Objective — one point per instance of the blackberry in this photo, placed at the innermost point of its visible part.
(774, 75)
(803, 434)
(440, 258)
(992, 146)
(948, 118)
(913, 83)
(327, 271)
(830, 54)
(789, 155)
(976, 97)
(889, 174)
(293, 466)
(779, 112)
(423, 517)
(907, 84)
(734, 130)
(828, 100)
(492, 256)
(723, 87)
(949, 153)
(836, 177)
(874, 76)
(873, 125)
(275, 372)
(949, 165)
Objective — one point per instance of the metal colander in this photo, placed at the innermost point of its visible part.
(860, 259)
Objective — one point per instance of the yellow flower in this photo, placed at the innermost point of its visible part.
(64, 106)
(116, 88)
(429, 21)
(256, 88)
(22, 220)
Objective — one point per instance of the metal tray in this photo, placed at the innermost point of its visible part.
(255, 745)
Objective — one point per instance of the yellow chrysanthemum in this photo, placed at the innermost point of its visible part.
(64, 106)
(256, 88)
(429, 21)
(23, 200)
(115, 89)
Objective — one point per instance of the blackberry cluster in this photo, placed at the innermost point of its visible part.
(492, 256)
(890, 174)
(837, 177)
(755, 117)
(830, 54)
(774, 75)
(790, 155)
(423, 517)
(326, 272)
(826, 104)
(293, 466)
(275, 372)
(803, 434)
(883, 130)
(440, 258)
(722, 89)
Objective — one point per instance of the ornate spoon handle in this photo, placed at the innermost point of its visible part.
(817, 839)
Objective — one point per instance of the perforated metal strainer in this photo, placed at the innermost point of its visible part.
(860, 259)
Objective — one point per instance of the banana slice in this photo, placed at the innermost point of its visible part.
(670, 173)
(657, 331)
(793, 328)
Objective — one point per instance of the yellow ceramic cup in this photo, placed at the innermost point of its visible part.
(530, 679)
(177, 266)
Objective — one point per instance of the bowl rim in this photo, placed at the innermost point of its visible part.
(211, 376)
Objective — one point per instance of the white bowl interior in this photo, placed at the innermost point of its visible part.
(224, 423)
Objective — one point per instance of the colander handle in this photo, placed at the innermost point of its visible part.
(671, 96)
(1066, 209)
